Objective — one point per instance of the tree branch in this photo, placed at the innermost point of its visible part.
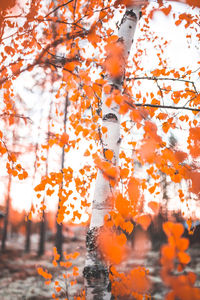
(134, 105)
(159, 78)
(59, 6)
(3, 115)
(38, 60)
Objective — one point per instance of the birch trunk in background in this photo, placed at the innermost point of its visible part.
(29, 215)
(95, 271)
(43, 222)
(8, 205)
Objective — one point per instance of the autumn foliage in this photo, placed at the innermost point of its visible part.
(71, 50)
(174, 257)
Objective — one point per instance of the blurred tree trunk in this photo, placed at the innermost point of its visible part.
(29, 221)
(28, 235)
(6, 218)
(59, 239)
(59, 226)
(41, 248)
(8, 202)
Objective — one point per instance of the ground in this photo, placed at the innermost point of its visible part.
(19, 278)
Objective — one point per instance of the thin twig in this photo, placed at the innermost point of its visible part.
(158, 78)
(16, 116)
(59, 6)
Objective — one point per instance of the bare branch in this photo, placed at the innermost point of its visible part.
(134, 105)
(159, 78)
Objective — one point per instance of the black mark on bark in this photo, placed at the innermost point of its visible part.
(110, 117)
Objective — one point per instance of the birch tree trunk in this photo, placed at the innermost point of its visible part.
(96, 271)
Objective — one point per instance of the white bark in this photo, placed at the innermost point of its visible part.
(95, 271)
(111, 120)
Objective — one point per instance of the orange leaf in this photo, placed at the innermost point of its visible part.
(144, 221)
(173, 229)
(76, 214)
(104, 129)
(182, 244)
(112, 246)
(58, 289)
(152, 189)
(114, 63)
(64, 138)
(168, 252)
(75, 255)
(49, 192)
(122, 205)
(108, 154)
(192, 277)
(133, 191)
(124, 173)
(184, 258)
(107, 89)
(87, 153)
(129, 3)
(154, 206)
